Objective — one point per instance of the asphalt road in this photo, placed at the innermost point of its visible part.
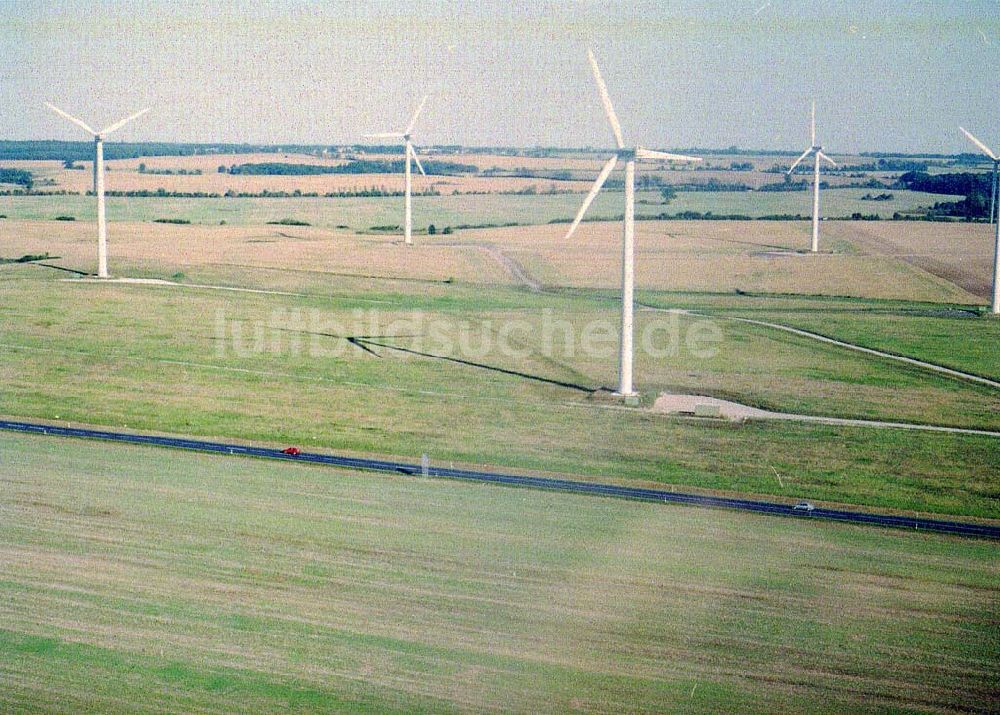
(562, 485)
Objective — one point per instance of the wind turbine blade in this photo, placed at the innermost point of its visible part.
(812, 125)
(606, 101)
(594, 190)
(824, 156)
(982, 147)
(799, 160)
(123, 122)
(662, 155)
(384, 135)
(413, 153)
(70, 117)
(413, 122)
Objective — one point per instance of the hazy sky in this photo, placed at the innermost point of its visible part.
(886, 75)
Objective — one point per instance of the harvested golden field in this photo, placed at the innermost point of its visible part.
(958, 252)
(728, 256)
(168, 247)
(716, 256)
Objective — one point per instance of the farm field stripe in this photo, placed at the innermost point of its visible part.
(958, 528)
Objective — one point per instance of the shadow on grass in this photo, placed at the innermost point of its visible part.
(367, 342)
(483, 366)
(61, 268)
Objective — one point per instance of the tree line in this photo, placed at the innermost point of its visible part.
(975, 188)
(17, 176)
(357, 166)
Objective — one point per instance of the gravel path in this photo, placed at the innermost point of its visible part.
(668, 403)
(950, 372)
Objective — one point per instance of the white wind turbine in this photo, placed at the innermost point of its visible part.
(995, 306)
(993, 157)
(817, 151)
(102, 226)
(411, 153)
(629, 156)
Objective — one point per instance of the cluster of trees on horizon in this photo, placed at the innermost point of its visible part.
(976, 189)
(17, 176)
(56, 150)
(355, 166)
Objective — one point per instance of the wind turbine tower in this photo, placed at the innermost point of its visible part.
(817, 151)
(995, 306)
(102, 225)
(629, 156)
(411, 153)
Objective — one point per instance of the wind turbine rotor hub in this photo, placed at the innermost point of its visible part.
(627, 154)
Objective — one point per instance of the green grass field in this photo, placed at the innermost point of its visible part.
(273, 368)
(144, 580)
(948, 335)
(363, 213)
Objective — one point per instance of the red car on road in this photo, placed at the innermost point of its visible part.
(294, 451)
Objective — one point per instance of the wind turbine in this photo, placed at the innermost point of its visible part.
(629, 156)
(993, 157)
(996, 240)
(410, 153)
(817, 150)
(102, 226)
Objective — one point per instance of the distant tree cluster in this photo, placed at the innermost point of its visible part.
(711, 185)
(956, 183)
(143, 169)
(526, 173)
(288, 222)
(357, 166)
(975, 188)
(161, 193)
(789, 185)
(48, 150)
(888, 165)
(35, 192)
(17, 176)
